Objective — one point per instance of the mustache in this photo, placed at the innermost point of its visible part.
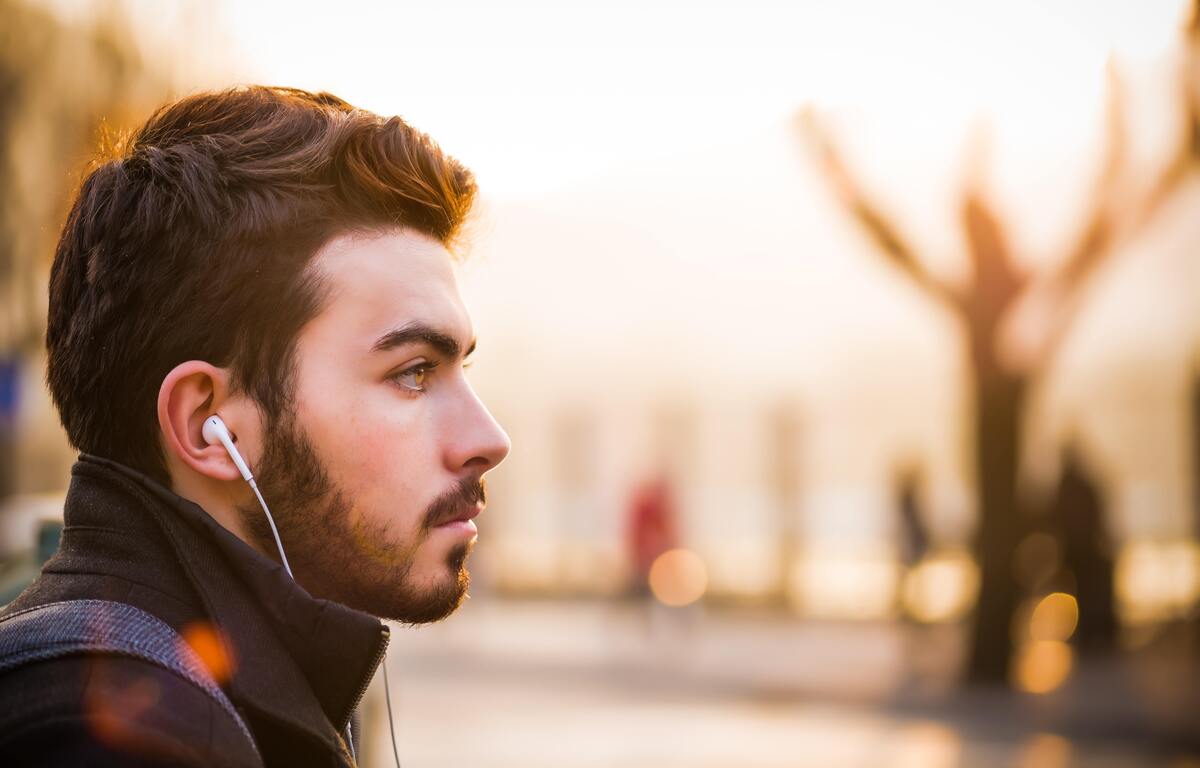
(457, 502)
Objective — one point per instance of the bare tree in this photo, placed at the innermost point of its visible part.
(1000, 384)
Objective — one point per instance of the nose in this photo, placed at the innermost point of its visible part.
(478, 443)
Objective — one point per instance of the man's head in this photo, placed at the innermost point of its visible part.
(283, 259)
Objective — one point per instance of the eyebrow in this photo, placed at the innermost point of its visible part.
(420, 333)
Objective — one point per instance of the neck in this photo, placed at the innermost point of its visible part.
(221, 500)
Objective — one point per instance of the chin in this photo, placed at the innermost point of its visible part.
(438, 601)
(435, 605)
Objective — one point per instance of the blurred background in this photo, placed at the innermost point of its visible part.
(850, 353)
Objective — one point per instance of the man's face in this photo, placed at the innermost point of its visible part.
(373, 475)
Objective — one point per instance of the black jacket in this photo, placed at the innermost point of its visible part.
(299, 665)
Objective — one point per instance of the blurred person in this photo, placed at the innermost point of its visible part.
(283, 261)
(914, 538)
(650, 530)
(1079, 512)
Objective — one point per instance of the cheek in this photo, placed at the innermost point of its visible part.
(366, 435)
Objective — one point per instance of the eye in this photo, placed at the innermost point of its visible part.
(413, 379)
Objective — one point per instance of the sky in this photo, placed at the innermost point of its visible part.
(535, 95)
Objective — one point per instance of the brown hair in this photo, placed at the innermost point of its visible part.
(193, 240)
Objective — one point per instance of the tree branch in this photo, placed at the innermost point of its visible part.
(1187, 152)
(851, 195)
(1095, 237)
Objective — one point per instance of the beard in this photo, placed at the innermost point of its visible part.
(361, 564)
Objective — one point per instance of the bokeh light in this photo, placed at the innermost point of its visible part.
(1043, 665)
(1054, 618)
(1157, 580)
(941, 587)
(114, 705)
(926, 745)
(1045, 750)
(212, 648)
(678, 577)
(844, 582)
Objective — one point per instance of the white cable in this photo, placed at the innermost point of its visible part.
(387, 694)
(274, 530)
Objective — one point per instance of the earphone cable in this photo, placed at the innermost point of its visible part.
(387, 695)
(274, 530)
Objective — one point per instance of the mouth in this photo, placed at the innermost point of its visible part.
(457, 509)
(465, 514)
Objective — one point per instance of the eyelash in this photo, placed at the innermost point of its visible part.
(420, 368)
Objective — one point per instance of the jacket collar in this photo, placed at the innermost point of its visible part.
(300, 660)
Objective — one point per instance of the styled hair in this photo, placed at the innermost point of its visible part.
(193, 239)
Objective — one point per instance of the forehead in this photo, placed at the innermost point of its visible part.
(381, 281)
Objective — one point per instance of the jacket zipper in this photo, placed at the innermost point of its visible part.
(385, 638)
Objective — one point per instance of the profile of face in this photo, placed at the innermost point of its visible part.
(375, 473)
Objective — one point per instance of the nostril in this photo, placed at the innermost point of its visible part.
(478, 461)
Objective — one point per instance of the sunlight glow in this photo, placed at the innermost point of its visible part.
(858, 583)
(941, 588)
(1157, 581)
(533, 97)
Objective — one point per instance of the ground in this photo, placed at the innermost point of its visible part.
(578, 684)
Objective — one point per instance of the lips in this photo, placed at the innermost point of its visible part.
(468, 512)
(460, 504)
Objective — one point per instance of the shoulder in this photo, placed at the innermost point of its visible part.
(112, 710)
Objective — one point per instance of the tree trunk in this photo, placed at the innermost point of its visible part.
(999, 398)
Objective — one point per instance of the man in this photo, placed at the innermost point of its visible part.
(282, 260)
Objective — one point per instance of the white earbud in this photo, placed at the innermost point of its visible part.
(214, 432)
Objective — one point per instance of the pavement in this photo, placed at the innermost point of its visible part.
(583, 683)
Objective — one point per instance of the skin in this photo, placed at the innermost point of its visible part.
(386, 437)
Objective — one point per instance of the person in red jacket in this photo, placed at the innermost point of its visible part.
(651, 529)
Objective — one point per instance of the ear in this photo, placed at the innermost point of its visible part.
(189, 394)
